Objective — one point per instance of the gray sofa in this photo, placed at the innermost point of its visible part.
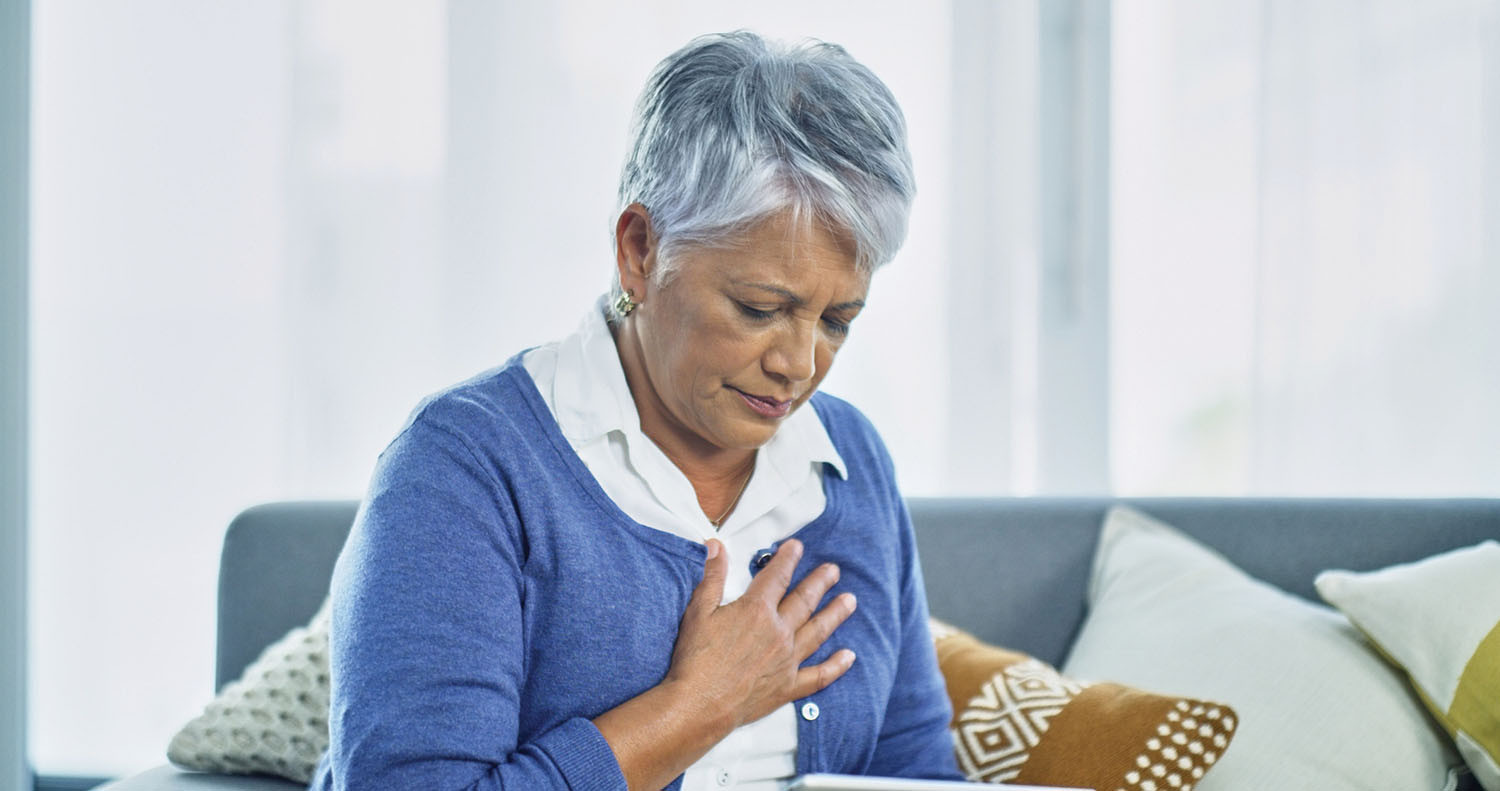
(1011, 570)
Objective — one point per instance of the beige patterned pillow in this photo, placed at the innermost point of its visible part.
(273, 719)
(1017, 720)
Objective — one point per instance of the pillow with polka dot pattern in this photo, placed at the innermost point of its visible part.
(1017, 720)
(273, 719)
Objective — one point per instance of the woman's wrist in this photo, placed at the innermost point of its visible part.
(659, 733)
(697, 710)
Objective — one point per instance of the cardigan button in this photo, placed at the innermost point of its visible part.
(810, 711)
(761, 559)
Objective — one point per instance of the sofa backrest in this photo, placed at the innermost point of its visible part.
(273, 575)
(1013, 571)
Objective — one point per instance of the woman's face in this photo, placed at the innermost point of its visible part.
(739, 337)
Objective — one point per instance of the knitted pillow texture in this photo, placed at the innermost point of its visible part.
(1017, 720)
(273, 719)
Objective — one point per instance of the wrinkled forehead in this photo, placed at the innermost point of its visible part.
(799, 248)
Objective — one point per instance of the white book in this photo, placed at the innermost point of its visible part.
(828, 782)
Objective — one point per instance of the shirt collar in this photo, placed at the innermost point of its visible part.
(589, 389)
(593, 399)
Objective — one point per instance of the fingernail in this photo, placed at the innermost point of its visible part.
(834, 568)
(713, 549)
(852, 601)
(848, 656)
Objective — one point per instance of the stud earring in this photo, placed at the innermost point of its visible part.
(625, 303)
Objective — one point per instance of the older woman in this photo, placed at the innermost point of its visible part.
(651, 554)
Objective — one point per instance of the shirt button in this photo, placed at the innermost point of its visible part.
(809, 711)
(723, 777)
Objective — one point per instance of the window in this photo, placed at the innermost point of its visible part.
(1158, 248)
(263, 231)
(1302, 260)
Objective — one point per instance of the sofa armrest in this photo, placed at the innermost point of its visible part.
(168, 778)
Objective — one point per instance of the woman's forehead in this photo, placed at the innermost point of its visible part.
(792, 255)
(801, 229)
(796, 273)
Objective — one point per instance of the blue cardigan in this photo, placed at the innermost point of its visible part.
(492, 599)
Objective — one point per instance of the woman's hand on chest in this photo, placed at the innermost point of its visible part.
(743, 659)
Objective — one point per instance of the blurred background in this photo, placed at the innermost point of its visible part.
(1237, 247)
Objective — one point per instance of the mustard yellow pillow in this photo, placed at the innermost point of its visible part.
(1017, 720)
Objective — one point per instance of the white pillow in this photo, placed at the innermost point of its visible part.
(1318, 708)
(273, 719)
(1439, 619)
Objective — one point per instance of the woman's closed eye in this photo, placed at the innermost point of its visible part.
(755, 313)
(836, 326)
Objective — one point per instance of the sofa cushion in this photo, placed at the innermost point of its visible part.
(1318, 708)
(1017, 720)
(273, 719)
(1439, 620)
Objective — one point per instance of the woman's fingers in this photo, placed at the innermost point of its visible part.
(815, 677)
(765, 636)
(796, 607)
(811, 635)
(710, 590)
(772, 581)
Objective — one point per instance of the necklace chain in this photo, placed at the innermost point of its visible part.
(717, 523)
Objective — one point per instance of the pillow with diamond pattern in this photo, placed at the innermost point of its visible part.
(1017, 720)
(273, 719)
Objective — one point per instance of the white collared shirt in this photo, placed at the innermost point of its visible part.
(582, 382)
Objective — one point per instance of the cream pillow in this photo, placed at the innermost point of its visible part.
(273, 719)
(1318, 709)
(1439, 620)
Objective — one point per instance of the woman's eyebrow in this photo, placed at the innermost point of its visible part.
(791, 297)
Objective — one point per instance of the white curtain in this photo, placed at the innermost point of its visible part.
(1305, 262)
(264, 230)
(1379, 257)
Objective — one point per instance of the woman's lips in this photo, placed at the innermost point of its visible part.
(766, 407)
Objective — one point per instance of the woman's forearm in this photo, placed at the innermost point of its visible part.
(659, 733)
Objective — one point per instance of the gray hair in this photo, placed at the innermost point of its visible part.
(732, 129)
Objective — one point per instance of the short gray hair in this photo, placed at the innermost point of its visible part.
(732, 129)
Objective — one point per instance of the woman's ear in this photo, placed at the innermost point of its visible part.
(635, 250)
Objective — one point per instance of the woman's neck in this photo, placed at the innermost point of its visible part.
(718, 475)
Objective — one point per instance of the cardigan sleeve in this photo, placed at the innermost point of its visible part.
(426, 641)
(914, 739)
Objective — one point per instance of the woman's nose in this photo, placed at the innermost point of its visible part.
(793, 357)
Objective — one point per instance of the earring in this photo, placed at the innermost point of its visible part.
(625, 304)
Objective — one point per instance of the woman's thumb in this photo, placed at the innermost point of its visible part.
(710, 590)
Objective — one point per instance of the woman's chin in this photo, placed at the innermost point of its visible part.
(746, 434)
